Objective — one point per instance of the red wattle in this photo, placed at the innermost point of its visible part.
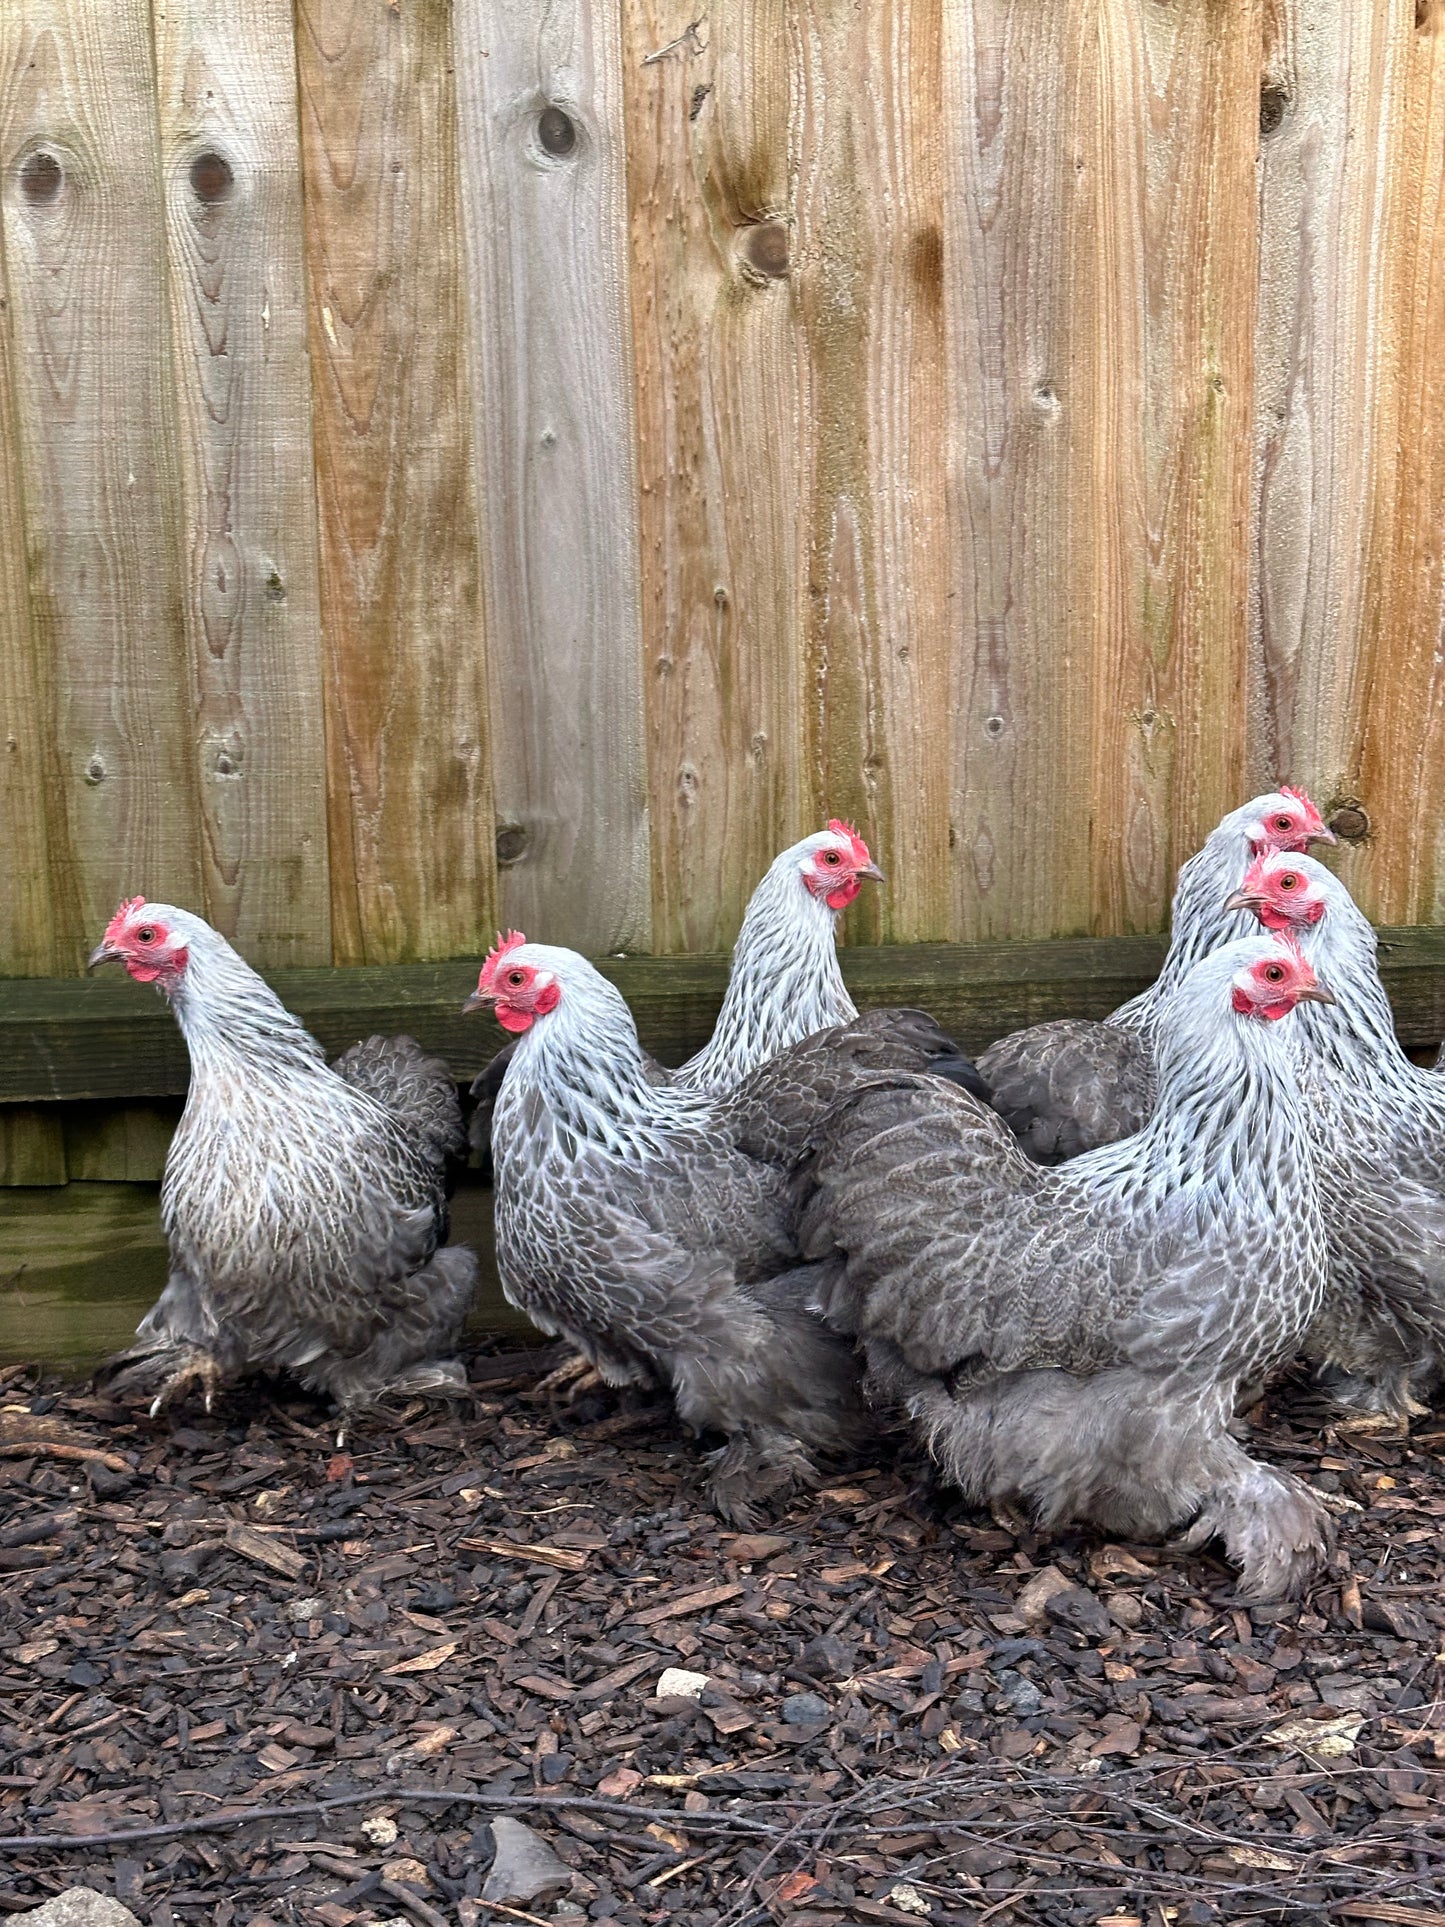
(510, 1018)
(840, 898)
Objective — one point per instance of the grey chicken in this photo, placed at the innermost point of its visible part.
(1380, 1126)
(784, 985)
(653, 1226)
(1069, 1086)
(1073, 1337)
(305, 1206)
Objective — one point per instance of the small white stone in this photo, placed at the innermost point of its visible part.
(677, 1683)
(380, 1829)
(908, 1900)
(81, 1907)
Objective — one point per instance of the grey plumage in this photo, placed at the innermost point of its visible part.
(1074, 1337)
(653, 1227)
(785, 984)
(304, 1205)
(1068, 1087)
(1379, 1124)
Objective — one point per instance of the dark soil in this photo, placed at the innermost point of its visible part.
(913, 1711)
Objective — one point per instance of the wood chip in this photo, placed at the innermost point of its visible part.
(426, 1662)
(265, 1549)
(690, 1602)
(564, 1557)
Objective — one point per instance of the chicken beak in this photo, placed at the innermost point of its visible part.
(479, 1000)
(1244, 900)
(103, 953)
(1317, 994)
(873, 873)
(1323, 835)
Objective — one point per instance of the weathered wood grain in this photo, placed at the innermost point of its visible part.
(412, 847)
(27, 914)
(231, 163)
(1163, 302)
(103, 1037)
(1331, 77)
(540, 123)
(32, 1151)
(1400, 718)
(118, 1143)
(84, 258)
(1019, 460)
(880, 566)
(720, 466)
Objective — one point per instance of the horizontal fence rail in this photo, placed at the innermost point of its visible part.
(487, 465)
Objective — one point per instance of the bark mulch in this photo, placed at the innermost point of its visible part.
(246, 1678)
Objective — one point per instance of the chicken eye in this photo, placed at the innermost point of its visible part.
(1289, 881)
(516, 978)
(1274, 973)
(832, 857)
(1283, 823)
(146, 934)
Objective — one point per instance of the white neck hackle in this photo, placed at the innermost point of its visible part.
(232, 1020)
(1229, 1137)
(1199, 922)
(785, 983)
(1354, 1041)
(583, 1062)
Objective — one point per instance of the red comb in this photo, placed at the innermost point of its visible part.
(499, 950)
(860, 848)
(1288, 789)
(118, 920)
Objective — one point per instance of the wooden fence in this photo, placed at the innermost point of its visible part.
(523, 461)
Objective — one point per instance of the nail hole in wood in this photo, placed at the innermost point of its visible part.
(511, 844)
(1349, 822)
(40, 178)
(1273, 102)
(769, 248)
(556, 131)
(211, 177)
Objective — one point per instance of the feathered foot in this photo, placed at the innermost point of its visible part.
(1374, 1403)
(1273, 1527)
(430, 1378)
(752, 1469)
(196, 1369)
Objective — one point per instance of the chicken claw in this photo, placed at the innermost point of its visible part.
(200, 1370)
(576, 1375)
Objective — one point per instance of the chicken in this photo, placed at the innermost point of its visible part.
(1070, 1086)
(785, 982)
(1073, 1337)
(305, 1206)
(653, 1226)
(1380, 1127)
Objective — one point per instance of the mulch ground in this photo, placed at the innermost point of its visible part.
(249, 1679)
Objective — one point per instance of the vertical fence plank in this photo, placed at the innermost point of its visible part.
(409, 780)
(1329, 83)
(1400, 721)
(880, 567)
(27, 917)
(540, 92)
(231, 168)
(85, 251)
(32, 1149)
(1021, 699)
(720, 426)
(720, 439)
(1162, 299)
